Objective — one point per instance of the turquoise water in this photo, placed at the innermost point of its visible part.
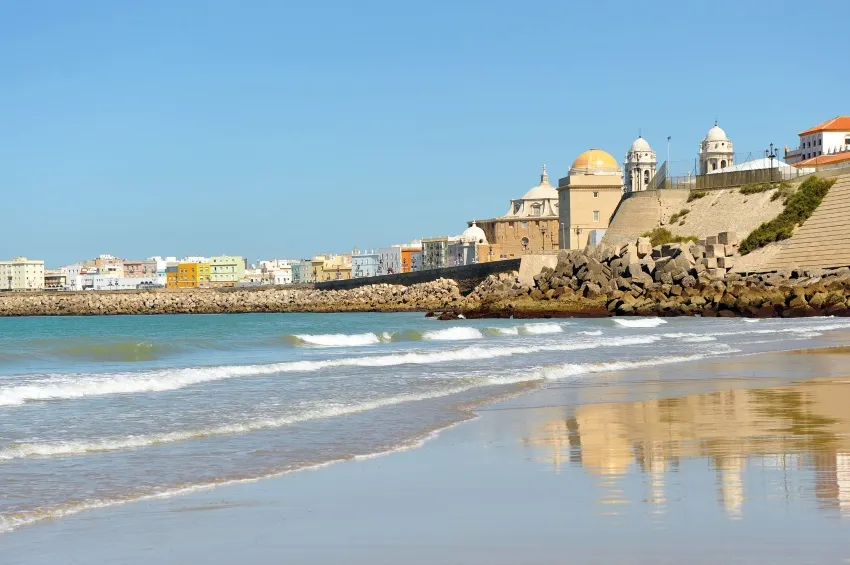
(102, 411)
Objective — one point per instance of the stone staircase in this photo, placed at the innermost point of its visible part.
(641, 212)
(823, 241)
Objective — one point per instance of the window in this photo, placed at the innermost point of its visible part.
(723, 164)
(847, 140)
(596, 215)
(820, 141)
(596, 195)
(524, 224)
(646, 177)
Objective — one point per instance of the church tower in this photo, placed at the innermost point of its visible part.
(640, 166)
(715, 151)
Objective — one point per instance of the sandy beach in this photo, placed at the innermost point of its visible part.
(733, 460)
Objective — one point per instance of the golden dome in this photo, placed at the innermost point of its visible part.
(594, 160)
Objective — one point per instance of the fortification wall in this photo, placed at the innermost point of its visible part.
(466, 276)
(640, 212)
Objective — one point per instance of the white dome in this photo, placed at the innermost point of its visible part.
(640, 144)
(542, 191)
(474, 234)
(716, 133)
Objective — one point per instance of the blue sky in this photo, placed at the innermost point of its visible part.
(284, 129)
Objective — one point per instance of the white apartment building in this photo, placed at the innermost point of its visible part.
(113, 282)
(829, 138)
(73, 277)
(21, 274)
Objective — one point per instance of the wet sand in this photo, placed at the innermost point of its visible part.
(740, 460)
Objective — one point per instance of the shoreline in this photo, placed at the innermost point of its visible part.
(454, 453)
(632, 280)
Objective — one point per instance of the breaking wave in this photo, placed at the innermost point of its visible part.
(22, 450)
(453, 334)
(573, 370)
(639, 322)
(558, 372)
(335, 340)
(66, 387)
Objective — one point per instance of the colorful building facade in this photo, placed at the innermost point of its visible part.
(226, 270)
(193, 275)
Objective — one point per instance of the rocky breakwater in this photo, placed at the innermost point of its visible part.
(438, 295)
(676, 279)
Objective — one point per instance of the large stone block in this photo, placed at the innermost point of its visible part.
(671, 249)
(728, 238)
(710, 262)
(711, 240)
(715, 250)
(644, 247)
(629, 253)
(725, 262)
(717, 274)
(634, 269)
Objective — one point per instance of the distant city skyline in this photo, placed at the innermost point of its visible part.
(278, 130)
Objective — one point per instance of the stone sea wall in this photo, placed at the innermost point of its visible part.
(437, 295)
(680, 279)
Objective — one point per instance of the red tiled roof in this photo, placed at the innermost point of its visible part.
(838, 123)
(824, 160)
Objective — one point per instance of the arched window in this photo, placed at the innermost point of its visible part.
(714, 165)
(646, 177)
(723, 164)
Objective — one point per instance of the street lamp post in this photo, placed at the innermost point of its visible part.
(543, 236)
(563, 242)
(770, 154)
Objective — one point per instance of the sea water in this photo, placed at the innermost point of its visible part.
(101, 411)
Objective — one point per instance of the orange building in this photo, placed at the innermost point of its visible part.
(193, 275)
(410, 257)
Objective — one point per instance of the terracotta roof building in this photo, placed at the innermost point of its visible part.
(827, 139)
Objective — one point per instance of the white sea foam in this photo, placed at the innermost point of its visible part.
(572, 370)
(339, 340)
(66, 387)
(543, 328)
(750, 320)
(17, 520)
(597, 332)
(453, 334)
(639, 322)
(691, 337)
(76, 447)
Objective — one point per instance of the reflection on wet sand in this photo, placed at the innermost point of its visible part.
(795, 439)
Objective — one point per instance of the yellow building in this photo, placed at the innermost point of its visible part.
(588, 197)
(331, 267)
(193, 275)
(531, 225)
